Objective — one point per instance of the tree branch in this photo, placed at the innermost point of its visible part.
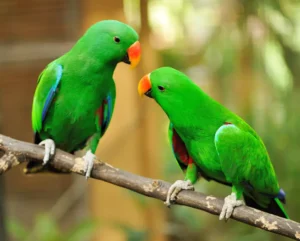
(14, 152)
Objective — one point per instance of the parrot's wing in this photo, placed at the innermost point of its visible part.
(105, 111)
(244, 159)
(47, 87)
(245, 163)
(182, 156)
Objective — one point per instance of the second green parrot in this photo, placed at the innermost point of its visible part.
(75, 94)
(210, 141)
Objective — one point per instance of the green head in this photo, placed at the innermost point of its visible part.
(112, 42)
(169, 87)
(180, 98)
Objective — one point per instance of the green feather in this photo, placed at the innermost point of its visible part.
(86, 80)
(46, 81)
(222, 145)
(281, 207)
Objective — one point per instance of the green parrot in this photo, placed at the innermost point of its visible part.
(75, 95)
(210, 141)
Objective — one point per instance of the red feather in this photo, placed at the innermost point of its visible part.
(180, 149)
(99, 113)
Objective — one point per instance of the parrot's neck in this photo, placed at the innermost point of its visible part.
(90, 70)
(200, 115)
(94, 57)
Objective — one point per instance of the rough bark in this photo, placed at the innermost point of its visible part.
(14, 152)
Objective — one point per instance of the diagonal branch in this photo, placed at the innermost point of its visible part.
(14, 152)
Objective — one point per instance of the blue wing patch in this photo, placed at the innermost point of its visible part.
(171, 137)
(108, 109)
(51, 94)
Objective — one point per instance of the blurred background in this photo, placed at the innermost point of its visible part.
(243, 53)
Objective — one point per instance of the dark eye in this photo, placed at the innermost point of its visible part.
(161, 88)
(117, 39)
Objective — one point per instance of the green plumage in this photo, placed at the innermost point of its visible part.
(79, 109)
(222, 146)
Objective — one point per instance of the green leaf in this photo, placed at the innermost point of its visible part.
(276, 67)
(82, 231)
(133, 234)
(278, 22)
(136, 235)
(16, 229)
(46, 228)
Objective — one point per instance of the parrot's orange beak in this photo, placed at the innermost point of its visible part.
(144, 87)
(134, 54)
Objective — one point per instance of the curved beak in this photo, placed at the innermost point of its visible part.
(133, 55)
(144, 87)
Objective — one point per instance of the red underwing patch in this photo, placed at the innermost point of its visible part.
(99, 112)
(180, 149)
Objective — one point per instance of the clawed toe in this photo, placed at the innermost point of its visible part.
(49, 145)
(89, 158)
(230, 203)
(175, 189)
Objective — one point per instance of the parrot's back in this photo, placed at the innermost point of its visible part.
(212, 141)
(259, 179)
(71, 116)
(70, 120)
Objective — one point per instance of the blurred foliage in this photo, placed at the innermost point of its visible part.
(246, 55)
(133, 234)
(45, 228)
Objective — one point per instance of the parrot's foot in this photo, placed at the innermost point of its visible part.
(230, 202)
(89, 158)
(49, 149)
(175, 188)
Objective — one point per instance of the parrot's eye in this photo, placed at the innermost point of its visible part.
(161, 88)
(117, 39)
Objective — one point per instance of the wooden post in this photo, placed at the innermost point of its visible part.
(130, 142)
(3, 235)
(150, 134)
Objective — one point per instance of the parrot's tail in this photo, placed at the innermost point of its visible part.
(275, 207)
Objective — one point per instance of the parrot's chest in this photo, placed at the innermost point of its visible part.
(79, 108)
(205, 156)
(72, 119)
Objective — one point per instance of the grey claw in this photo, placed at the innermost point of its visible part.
(230, 202)
(89, 158)
(49, 149)
(175, 188)
(167, 203)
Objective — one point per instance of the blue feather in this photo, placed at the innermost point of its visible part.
(171, 129)
(281, 194)
(108, 109)
(52, 91)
